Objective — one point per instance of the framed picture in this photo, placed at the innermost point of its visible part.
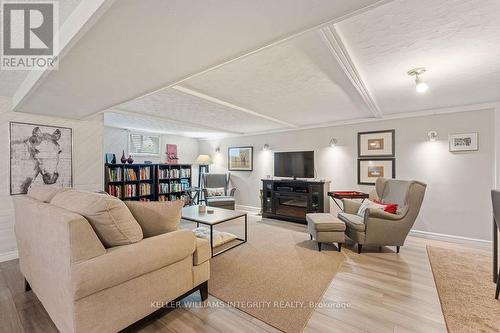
(376, 144)
(463, 142)
(370, 170)
(41, 155)
(240, 158)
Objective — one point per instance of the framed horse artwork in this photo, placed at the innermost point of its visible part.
(40, 155)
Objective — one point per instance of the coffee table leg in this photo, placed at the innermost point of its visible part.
(246, 219)
(212, 239)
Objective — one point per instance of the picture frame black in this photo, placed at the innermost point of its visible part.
(12, 140)
(361, 160)
(392, 145)
(232, 167)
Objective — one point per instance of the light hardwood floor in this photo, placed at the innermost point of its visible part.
(379, 291)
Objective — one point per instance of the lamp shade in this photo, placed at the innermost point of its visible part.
(203, 160)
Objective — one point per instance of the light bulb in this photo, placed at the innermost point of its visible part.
(421, 86)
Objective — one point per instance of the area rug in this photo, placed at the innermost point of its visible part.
(278, 276)
(466, 289)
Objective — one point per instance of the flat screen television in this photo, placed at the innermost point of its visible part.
(295, 164)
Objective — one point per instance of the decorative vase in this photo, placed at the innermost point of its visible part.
(130, 160)
(123, 159)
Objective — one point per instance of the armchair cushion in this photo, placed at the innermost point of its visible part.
(157, 217)
(113, 223)
(123, 263)
(380, 214)
(353, 221)
(368, 204)
(215, 191)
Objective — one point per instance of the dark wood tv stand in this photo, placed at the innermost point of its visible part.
(291, 200)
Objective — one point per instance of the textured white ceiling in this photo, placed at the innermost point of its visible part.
(150, 124)
(298, 81)
(179, 106)
(10, 80)
(458, 41)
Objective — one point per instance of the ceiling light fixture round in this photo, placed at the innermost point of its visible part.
(420, 85)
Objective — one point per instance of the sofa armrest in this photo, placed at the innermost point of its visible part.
(202, 252)
(124, 263)
(351, 206)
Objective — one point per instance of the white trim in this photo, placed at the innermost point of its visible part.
(336, 47)
(219, 101)
(447, 238)
(9, 256)
(250, 209)
(403, 115)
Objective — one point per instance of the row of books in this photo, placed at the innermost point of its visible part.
(130, 175)
(173, 197)
(145, 189)
(145, 173)
(130, 190)
(174, 173)
(115, 190)
(115, 174)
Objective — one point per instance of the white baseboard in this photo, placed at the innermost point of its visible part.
(8, 256)
(250, 209)
(447, 238)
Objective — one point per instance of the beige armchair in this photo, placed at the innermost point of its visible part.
(378, 227)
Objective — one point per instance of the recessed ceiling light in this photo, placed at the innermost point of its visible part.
(420, 85)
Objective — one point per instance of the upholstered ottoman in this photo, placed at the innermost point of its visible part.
(325, 228)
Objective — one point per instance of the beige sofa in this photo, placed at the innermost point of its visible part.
(86, 287)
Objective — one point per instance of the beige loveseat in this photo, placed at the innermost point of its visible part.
(87, 287)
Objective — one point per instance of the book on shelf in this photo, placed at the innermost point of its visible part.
(163, 173)
(114, 174)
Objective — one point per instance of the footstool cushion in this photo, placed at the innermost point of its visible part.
(325, 228)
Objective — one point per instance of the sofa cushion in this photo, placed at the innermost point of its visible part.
(325, 222)
(157, 218)
(353, 221)
(112, 221)
(44, 193)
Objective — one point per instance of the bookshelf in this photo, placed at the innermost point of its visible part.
(148, 182)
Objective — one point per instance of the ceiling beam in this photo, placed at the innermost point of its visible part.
(230, 105)
(334, 44)
(166, 119)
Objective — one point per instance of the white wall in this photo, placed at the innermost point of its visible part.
(87, 163)
(457, 201)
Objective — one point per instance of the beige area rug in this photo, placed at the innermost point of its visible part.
(277, 276)
(465, 285)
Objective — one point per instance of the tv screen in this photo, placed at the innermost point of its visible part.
(296, 164)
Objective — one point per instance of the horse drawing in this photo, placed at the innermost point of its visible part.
(37, 155)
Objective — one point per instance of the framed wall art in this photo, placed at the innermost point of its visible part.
(41, 155)
(371, 169)
(463, 142)
(240, 158)
(376, 144)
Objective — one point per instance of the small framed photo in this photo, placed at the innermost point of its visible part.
(463, 142)
(240, 158)
(370, 170)
(376, 144)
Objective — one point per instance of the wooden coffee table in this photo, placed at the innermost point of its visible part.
(220, 215)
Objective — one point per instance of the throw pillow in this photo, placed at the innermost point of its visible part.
(215, 191)
(368, 204)
(389, 207)
(109, 216)
(157, 218)
(44, 193)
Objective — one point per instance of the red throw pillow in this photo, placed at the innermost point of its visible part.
(389, 207)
